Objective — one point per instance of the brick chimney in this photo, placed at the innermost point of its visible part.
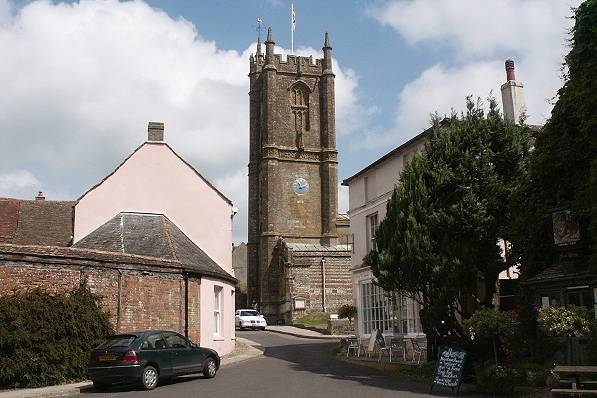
(40, 196)
(512, 95)
(155, 131)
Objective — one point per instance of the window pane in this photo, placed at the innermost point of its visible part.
(176, 341)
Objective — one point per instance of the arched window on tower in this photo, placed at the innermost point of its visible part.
(299, 104)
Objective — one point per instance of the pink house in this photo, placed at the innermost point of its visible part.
(155, 180)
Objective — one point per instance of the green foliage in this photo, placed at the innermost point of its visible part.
(565, 321)
(496, 380)
(314, 319)
(438, 242)
(46, 339)
(347, 311)
(563, 166)
(488, 323)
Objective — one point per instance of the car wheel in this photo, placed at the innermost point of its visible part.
(99, 385)
(209, 368)
(149, 379)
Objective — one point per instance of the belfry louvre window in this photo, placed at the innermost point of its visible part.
(299, 99)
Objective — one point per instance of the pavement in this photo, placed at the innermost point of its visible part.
(250, 350)
(305, 333)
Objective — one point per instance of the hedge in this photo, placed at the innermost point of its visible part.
(45, 339)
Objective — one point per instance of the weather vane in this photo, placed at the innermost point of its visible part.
(259, 27)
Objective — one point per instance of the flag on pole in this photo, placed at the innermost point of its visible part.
(292, 27)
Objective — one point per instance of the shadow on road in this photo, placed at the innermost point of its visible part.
(317, 357)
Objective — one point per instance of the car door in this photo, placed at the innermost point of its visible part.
(154, 350)
(182, 354)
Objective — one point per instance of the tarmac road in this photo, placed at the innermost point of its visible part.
(290, 367)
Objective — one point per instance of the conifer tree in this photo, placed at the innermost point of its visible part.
(439, 241)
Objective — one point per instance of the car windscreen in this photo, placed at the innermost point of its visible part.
(249, 313)
(117, 341)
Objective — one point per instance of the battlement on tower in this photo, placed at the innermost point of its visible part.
(292, 64)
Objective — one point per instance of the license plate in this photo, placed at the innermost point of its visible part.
(107, 357)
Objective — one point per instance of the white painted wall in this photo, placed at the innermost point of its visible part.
(224, 342)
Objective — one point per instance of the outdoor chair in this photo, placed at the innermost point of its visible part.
(353, 344)
(418, 349)
(385, 348)
(398, 344)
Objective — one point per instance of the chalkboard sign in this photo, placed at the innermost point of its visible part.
(448, 368)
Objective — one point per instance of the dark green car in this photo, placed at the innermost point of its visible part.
(147, 357)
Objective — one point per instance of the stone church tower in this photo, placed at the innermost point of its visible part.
(293, 166)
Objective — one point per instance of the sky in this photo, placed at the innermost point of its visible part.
(81, 79)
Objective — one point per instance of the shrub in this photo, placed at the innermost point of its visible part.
(347, 311)
(46, 339)
(565, 321)
(489, 324)
(496, 380)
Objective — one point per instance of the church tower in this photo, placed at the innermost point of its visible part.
(293, 166)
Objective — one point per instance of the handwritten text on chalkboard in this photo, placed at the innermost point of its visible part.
(449, 367)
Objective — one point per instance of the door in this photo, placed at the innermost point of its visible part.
(184, 357)
(154, 349)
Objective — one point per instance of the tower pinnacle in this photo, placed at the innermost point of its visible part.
(327, 55)
(258, 54)
(269, 48)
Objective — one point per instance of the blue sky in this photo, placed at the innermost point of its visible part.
(82, 79)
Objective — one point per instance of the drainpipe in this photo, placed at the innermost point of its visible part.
(186, 304)
(323, 282)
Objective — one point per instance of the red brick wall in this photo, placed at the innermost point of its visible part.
(136, 300)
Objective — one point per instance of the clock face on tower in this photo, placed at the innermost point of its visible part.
(300, 186)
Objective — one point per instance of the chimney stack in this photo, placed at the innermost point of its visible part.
(512, 95)
(40, 196)
(155, 131)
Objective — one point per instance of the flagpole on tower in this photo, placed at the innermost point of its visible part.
(292, 27)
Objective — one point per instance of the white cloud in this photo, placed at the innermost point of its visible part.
(478, 36)
(20, 183)
(81, 80)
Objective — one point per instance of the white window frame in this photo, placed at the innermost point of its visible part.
(372, 224)
(218, 310)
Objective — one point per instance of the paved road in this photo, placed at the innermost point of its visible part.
(291, 367)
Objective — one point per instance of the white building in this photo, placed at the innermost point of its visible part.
(369, 192)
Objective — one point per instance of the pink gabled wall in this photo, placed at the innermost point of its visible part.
(223, 342)
(155, 180)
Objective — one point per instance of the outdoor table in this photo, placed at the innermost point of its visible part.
(580, 374)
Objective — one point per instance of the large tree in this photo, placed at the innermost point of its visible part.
(563, 165)
(439, 241)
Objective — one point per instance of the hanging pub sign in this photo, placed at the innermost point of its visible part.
(448, 368)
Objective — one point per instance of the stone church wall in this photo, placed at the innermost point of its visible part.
(306, 281)
(137, 297)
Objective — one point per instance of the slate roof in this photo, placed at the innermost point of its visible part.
(310, 247)
(562, 272)
(151, 235)
(36, 222)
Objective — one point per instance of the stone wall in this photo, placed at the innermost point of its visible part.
(306, 283)
(341, 326)
(136, 296)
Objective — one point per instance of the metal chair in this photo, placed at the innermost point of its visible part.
(398, 344)
(354, 344)
(418, 349)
